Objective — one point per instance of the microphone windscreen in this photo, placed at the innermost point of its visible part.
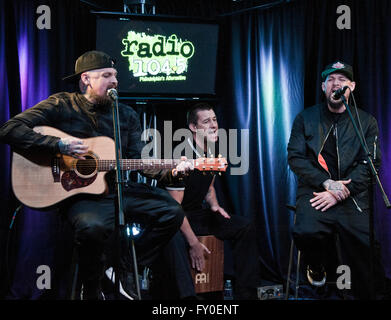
(112, 93)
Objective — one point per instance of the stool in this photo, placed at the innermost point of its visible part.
(212, 277)
(293, 209)
(74, 286)
(297, 286)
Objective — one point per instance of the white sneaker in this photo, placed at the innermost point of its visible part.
(111, 275)
(316, 278)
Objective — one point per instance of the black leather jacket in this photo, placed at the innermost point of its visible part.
(309, 132)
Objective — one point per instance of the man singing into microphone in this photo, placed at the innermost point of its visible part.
(333, 181)
(89, 114)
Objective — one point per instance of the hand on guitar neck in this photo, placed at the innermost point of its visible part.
(183, 167)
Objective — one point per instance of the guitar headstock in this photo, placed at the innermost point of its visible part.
(219, 164)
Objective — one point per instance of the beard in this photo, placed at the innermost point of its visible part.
(334, 104)
(102, 102)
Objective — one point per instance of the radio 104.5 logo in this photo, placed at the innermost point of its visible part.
(157, 58)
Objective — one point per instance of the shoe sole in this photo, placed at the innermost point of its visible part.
(315, 283)
(111, 275)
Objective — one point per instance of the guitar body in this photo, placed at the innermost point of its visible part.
(41, 180)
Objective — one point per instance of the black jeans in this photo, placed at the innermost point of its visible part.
(238, 229)
(314, 234)
(172, 278)
(93, 220)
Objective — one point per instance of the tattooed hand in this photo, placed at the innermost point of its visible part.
(73, 147)
(338, 188)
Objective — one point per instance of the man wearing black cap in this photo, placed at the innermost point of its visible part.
(89, 114)
(333, 180)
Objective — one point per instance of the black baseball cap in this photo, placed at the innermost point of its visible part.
(338, 67)
(90, 60)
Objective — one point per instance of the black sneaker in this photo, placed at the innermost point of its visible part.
(316, 276)
(127, 286)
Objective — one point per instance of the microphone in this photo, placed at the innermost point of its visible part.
(337, 94)
(112, 93)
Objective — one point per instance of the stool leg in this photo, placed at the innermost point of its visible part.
(288, 280)
(74, 273)
(297, 274)
(74, 282)
(339, 257)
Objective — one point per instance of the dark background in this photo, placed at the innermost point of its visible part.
(270, 57)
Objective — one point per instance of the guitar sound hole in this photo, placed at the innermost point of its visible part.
(86, 167)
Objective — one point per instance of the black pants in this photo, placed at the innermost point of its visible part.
(93, 222)
(240, 231)
(314, 231)
(172, 278)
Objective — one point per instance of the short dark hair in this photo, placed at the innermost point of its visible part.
(191, 115)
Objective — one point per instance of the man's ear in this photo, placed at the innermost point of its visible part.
(85, 79)
(323, 87)
(352, 86)
(192, 127)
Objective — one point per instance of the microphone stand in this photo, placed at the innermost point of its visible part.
(119, 219)
(375, 175)
(368, 155)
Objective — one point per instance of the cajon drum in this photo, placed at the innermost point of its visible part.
(212, 277)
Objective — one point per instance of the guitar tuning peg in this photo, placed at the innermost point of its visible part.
(211, 155)
(219, 156)
(219, 173)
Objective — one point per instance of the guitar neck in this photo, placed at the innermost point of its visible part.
(138, 164)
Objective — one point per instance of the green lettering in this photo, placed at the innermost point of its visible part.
(173, 40)
(187, 49)
(128, 45)
(144, 50)
(158, 47)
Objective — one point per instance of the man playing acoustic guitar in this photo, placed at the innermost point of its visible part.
(89, 114)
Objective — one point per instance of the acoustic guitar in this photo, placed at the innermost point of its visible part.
(40, 180)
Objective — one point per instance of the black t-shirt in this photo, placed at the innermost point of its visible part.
(329, 151)
(195, 185)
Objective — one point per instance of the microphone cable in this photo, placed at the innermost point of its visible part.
(359, 123)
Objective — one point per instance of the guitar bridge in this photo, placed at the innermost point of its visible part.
(56, 169)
